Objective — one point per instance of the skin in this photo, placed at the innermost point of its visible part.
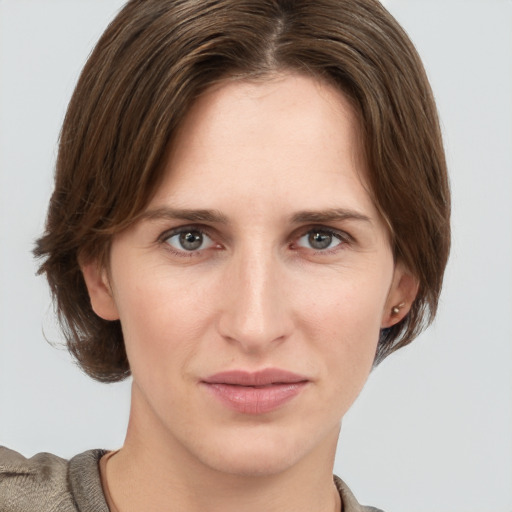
(274, 162)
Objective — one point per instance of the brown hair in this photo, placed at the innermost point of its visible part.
(141, 79)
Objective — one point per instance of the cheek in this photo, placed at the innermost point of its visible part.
(159, 298)
(344, 320)
(159, 322)
(345, 304)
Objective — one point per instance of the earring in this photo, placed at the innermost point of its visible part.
(396, 309)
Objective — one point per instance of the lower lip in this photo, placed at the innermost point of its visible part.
(255, 400)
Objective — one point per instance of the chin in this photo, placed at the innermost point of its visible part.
(262, 453)
(252, 463)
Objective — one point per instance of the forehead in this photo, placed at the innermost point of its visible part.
(289, 138)
(291, 109)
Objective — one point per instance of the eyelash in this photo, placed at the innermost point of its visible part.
(342, 236)
(167, 235)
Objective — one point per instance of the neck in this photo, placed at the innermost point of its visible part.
(156, 473)
(133, 489)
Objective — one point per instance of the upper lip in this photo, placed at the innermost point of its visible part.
(259, 378)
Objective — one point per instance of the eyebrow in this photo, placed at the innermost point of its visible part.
(330, 215)
(215, 216)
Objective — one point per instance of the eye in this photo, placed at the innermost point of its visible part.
(321, 240)
(189, 240)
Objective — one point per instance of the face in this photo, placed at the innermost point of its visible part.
(252, 291)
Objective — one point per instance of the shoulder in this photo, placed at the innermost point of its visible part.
(350, 504)
(48, 483)
(38, 483)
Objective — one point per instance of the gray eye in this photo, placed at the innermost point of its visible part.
(190, 240)
(319, 240)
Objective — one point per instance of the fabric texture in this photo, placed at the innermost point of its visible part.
(47, 483)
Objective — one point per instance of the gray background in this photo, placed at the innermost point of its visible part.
(432, 431)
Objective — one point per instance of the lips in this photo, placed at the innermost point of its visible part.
(255, 392)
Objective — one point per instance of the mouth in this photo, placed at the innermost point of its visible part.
(255, 392)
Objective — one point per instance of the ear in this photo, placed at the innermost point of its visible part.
(100, 292)
(401, 295)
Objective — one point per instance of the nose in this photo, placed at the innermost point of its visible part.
(255, 306)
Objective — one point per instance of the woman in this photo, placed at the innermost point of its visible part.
(250, 210)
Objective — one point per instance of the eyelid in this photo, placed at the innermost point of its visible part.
(205, 231)
(168, 233)
(338, 233)
(344, 240)
(343, 236)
